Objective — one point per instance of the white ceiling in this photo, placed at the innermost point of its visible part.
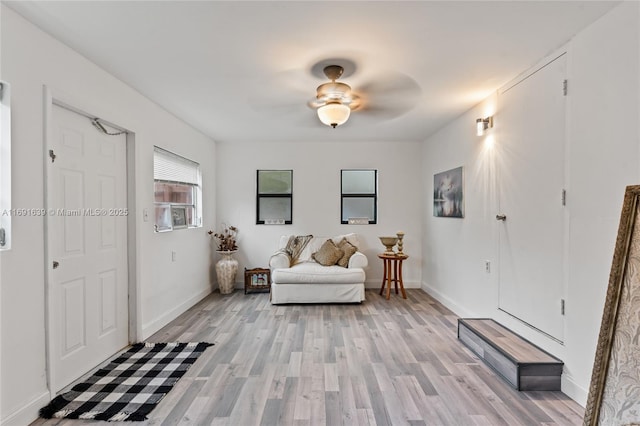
(241, 71)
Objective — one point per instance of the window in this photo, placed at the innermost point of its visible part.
(359, 196)
(274, 197)
(177, 191)
(5, 167)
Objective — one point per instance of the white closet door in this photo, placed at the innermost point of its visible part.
(531, 148)
(88, 247)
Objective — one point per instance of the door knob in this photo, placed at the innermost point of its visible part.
(55, 264)
(501, 217)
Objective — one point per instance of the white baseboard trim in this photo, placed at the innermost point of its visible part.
(573, 390)
(151, 327)
(371, 284)
(447, 302)
(28, 413)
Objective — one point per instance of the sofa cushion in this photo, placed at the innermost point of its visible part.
(314, 273)
(328, 254)
(348, 250)
(315, 244)
(295, 246)
(352, 238)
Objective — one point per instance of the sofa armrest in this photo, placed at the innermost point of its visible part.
(358, 260)
(279, 260)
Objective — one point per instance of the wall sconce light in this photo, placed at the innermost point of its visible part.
(483, 124)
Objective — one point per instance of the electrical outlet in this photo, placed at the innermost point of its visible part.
(145, 215)
(173, 256)
(487, 266)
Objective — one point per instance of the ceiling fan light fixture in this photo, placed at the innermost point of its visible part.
(333, 90)
(334, 114)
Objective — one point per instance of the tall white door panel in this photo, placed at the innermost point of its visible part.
(88, 288)
(530, 123)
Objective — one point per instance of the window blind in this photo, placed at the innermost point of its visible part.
(172, 167)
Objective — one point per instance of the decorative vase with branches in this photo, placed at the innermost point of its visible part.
(227, 267)
(226, 239)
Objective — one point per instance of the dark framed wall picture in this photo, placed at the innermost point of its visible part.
(448, 193)
(178, 217)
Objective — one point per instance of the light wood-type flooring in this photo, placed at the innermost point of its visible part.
(382, 362)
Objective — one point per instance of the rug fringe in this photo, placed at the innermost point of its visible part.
(137, 418)
(120, 417)
(56, 404)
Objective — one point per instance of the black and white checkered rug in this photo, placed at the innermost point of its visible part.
(130, 386)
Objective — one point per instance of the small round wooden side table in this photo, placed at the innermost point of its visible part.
(392, 272)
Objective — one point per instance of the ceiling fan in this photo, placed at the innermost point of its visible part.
(334, 100)
(376, 96)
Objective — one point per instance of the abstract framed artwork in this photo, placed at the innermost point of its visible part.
(614, 393)
(448, 196)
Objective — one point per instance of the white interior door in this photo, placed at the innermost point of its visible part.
(87, 240)
(531, 122)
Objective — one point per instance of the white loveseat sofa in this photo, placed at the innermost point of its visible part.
(307, 281)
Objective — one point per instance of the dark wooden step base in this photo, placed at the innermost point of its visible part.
(522, 364)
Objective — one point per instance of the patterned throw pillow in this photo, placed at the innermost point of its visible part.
(328, 254)
(348, 249)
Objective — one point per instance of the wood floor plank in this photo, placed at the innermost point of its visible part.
(276, 389)
(302, 409)
(318, 407)
(270, 413)
(393, 403)
(333, 408)
(172, 399)
(416, 392)
(180, 413)
(348, 403)
(365, 417)
(375, 394)
(251, 401)
(382, 362)
(402, 384)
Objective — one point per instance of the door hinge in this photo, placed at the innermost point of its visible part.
(564, 197)
(565, 87)
(52, 155)
(561, 306)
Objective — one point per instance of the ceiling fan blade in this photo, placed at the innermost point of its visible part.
(390, 83)
(390, 95)
(281, 92)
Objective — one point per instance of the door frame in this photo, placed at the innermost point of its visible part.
(57, 98)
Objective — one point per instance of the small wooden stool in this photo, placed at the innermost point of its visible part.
(392, 272)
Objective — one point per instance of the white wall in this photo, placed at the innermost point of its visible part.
(31, 59)
(603, 157)
(316, 197)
